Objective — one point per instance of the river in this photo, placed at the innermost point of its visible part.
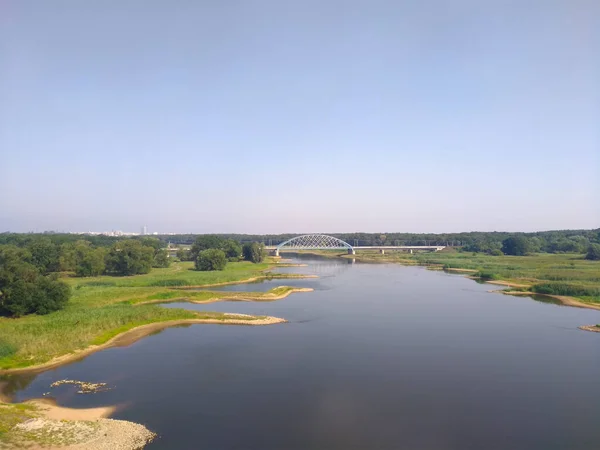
(377, 357)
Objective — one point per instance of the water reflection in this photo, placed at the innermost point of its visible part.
(383, 357)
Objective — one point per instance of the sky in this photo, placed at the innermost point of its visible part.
(270, 116)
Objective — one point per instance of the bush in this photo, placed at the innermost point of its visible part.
(575, 290)
(253, 252)
(211, 259)
(23, 290)
(161, 258)
(496, 252)
(516, 245)
(129, 257)
(487, 275)
(593, 253)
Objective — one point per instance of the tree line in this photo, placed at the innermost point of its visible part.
(560, 241)
(30, 264)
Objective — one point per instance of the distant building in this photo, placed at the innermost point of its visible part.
(144, 230)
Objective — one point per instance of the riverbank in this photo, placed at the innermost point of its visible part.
(103, 308)
(42, 424)
(134, 334)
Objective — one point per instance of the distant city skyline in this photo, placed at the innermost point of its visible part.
(272, 117)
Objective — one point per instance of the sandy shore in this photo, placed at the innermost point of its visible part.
(131, 336)
(56, 427)
(250, 280)
(593, 328)
(565, 300)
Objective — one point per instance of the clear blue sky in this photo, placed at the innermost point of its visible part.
(279, 116)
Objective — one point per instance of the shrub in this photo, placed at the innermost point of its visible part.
(161, 258)
(129, 257)
(253, 252)
(496, 252)
(516, 245)
(487, 275)
(593, 253)
(576, 290)
(211, 259)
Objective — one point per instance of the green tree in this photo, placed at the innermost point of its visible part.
(129, 257)
(67, 260)
(593, 253)
(253, 252)
(23, 290)
(232, 249)
(161, 258)
(184, 255)
(211, 259)
(44, 254)
(205, 242)
(516, 245)
(90, 262)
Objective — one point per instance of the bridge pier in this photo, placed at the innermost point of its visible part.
(382, 251)
(351, 251)
(275, 252)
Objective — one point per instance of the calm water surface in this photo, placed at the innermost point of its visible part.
(377, 357)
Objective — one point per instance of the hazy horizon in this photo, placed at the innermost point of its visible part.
(260, 116)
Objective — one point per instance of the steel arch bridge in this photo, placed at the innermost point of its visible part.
(314, 242)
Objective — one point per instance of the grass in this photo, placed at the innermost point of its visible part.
(104, 307)
(556, 274)
(11, 415)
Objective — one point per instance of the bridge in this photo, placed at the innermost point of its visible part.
(325, 242)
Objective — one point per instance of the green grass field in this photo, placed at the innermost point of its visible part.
(103, 307)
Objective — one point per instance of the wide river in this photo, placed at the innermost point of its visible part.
(377, 357)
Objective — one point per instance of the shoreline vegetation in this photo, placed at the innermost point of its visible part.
(538, 274)
(104, 308)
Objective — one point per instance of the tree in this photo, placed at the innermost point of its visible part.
(232, 249)
(516, 245)
(253, 252)
(161, 258)
(24, 290)
(211, 259)
(593, 253)
(184, 255)
(205, 242)
(44, 254)
(129, 257)
(90, 262)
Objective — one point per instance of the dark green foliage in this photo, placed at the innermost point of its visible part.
(211, 259)
(516, 245)
(129, 257)
(44, 254)
(161, 258)
(496, 252)
(232, 248)
(593, 253)
(559, 288)
(23, 290)
(487, 275)
(205, 242)
(253, 252)
(184, 255)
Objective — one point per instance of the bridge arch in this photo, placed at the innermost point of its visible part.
(314, 242)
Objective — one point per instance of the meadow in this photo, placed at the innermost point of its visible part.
(103, 307)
